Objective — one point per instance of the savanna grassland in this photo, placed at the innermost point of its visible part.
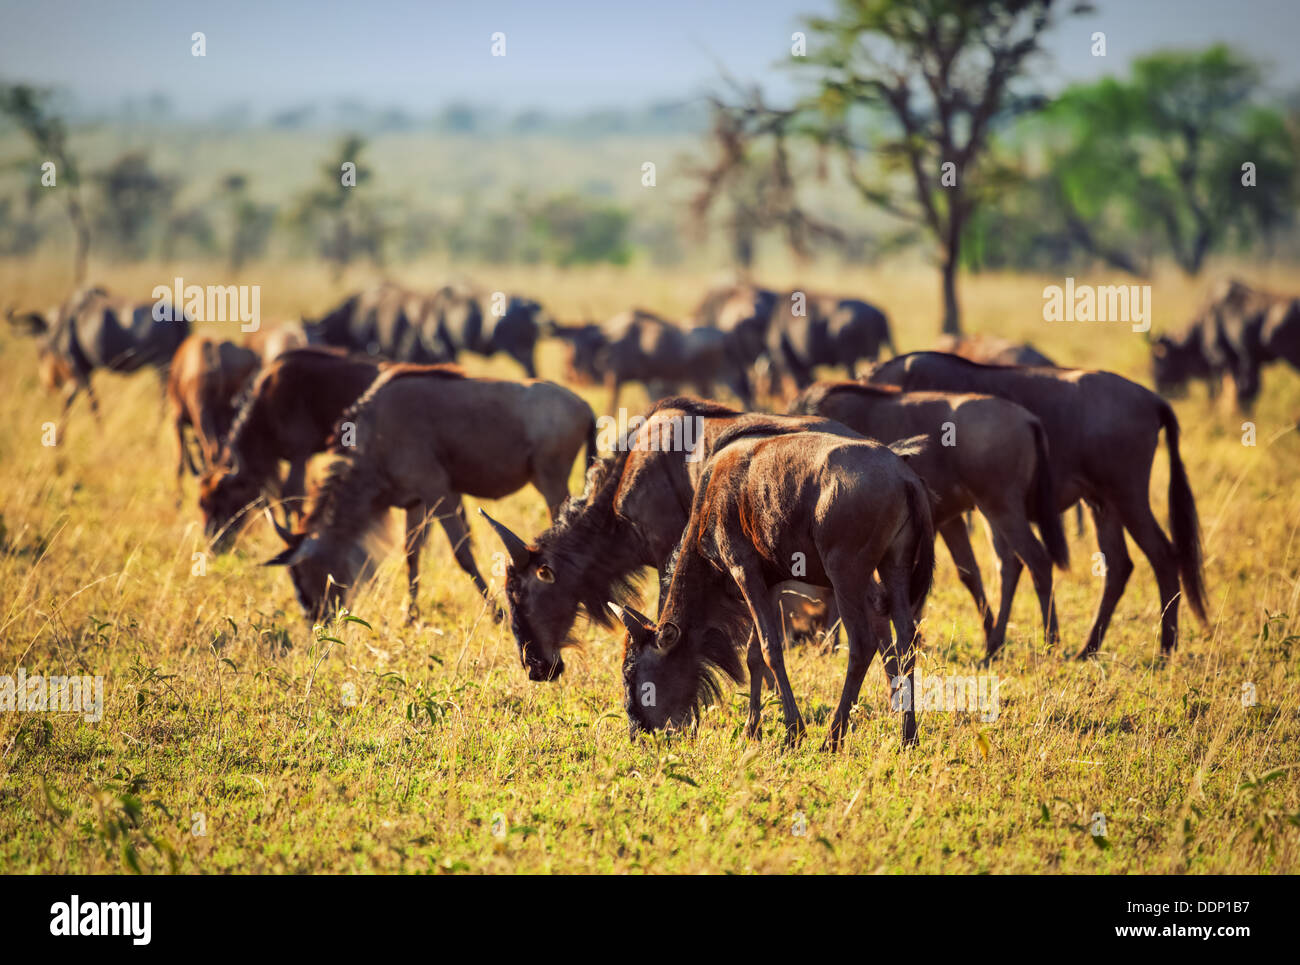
(426, 748)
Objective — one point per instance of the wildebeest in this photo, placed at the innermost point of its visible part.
(271, 343)
(458, 324)
(585, 342)
(630, 515)
(850, 508)
(96, 330)
(642, 347)
(983, 452)
(1102, 435)
(808, 330)
(205, 377)
(992, 350)
(744, 312)
(288, 413)
(1237, 331)
(386, 321)
(424, 437)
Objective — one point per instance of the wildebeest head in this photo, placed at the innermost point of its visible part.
(543, 605)
(225, 496)
(320, 572)
(1176, 361)
(586, 345)
(668, 672)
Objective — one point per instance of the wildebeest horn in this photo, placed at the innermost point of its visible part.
(640, 626)
(282, 531)
(519, 552)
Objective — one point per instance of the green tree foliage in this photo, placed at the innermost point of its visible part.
(336, 215)
(1159, 158)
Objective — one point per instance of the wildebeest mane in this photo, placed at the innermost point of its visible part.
(809, 402)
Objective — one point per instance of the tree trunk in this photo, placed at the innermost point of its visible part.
(951, 310)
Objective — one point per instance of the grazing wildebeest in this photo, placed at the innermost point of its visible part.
(387, 321)
(631, 515)
(456, 323)
(1102, 435)
(426, 436)
(983, 453)
(850, 508)
(288, 413)
(642, 347)
(1236, 332)
(205, 377)
(585, 343)
(95, 330)
(809, 330)
(992, 350)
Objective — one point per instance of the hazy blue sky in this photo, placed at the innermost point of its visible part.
(561, 55)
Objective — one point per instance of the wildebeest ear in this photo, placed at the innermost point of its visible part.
(668, 636)
(28, 323)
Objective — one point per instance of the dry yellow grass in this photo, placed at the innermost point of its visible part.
(449, 759)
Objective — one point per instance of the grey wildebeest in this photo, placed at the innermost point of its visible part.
(205, 377)
(1237, 331)
(95, 330)
(851, 508)
(642, 347)
(384, 321)
(1102, 435)
(808, 330)
(424, 437)
(630, 515)
(288, 413)
(458, 324)
(983, 453)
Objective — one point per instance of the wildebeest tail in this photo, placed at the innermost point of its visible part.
(918, 510)
(1183, 520)
(1044, 509)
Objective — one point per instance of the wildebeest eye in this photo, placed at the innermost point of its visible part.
(545, 575)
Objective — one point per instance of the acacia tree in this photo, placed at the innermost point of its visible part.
(935, 76)
(32, 111)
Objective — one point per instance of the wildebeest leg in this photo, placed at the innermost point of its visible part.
(758, 675)
(831, 637)
(865, 628)
(1009, 567)
(1118, 567)
(900, 653)
(613, 384)
(1152, 541)
(552, 480)
(183, 457)
(1015, 536)
(957, 539)
(451, 516)
(759, 599)
(417, 529)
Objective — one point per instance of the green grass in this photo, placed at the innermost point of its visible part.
(427, 749)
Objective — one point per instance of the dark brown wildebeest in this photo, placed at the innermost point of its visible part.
(1236, 332)
(744, 312)
(205, 377)
(851, 508)
(95, 330)
(456, 323)
(426, 436)
(642, 347)
(288, 413)
(1102, 435)
(386, 321)
(992, 350)
(585, 342)
(808, 330)
(982, 453)
(631, 515)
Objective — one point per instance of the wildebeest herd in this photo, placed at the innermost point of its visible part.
(837, 502)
